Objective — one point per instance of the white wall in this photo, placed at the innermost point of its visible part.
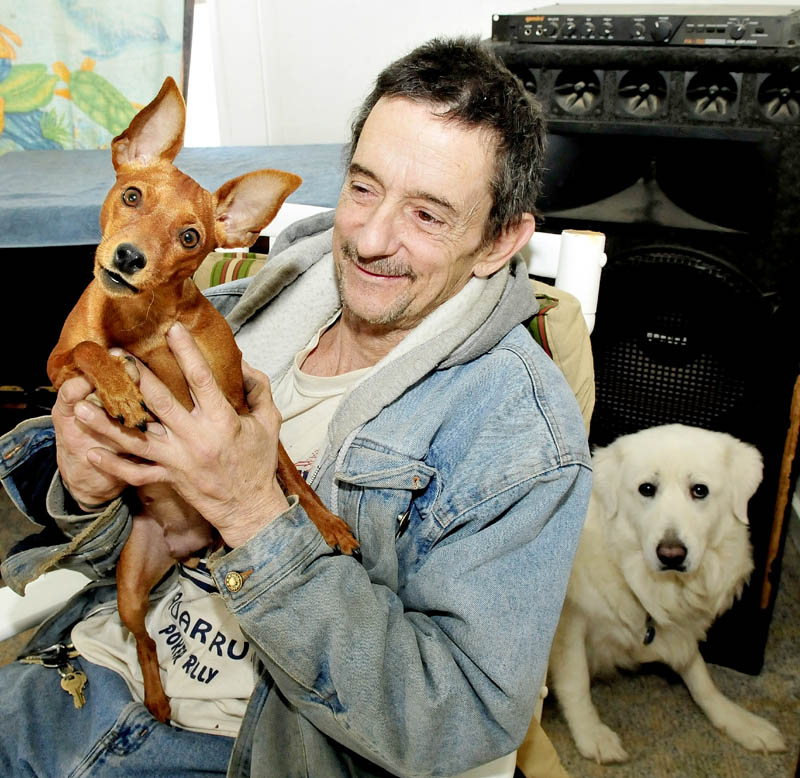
(294, 72)
(202, 116)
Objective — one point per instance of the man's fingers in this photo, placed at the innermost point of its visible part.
(122, 438)
(195, 368)
(71, 392)
(159, 400)
(130, 364)
(125, 469)
(258, 394)
(257, 387)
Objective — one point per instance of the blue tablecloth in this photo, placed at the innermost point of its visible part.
(53, 198)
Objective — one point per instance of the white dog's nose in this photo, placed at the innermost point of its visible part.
(671, 553)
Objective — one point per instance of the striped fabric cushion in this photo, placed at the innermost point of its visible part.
(219, 267)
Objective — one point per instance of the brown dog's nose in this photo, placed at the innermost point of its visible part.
(128, 259)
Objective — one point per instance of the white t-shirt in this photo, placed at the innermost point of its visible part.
(207, 666)
(307, 404)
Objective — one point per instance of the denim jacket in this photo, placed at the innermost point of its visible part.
(462, 469)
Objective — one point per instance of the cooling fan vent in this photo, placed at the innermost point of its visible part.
(779, 97)
(577, 91)
(712, 95)
(642, 93)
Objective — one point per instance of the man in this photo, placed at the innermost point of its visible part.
(423, 414)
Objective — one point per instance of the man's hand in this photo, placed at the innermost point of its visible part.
(221, 463)
(89, 485)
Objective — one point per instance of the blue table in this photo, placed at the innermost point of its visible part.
(53, 198)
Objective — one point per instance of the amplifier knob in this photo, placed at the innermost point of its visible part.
(608, 29)
(737, 31)
(662, 29)
(550, 30)
(587, 30)
(570, 30)
(638, 30)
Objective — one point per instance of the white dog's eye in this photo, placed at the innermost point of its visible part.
(699, 491)
(647, 489)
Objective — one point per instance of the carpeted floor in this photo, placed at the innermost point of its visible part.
(664, 732)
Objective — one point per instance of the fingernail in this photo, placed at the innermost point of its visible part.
(175, 328)
(84, 411)
(93, 456)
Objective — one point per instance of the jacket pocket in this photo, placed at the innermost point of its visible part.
(387, 495)
(372, 468)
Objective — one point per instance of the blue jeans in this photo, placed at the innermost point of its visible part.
(45, 736)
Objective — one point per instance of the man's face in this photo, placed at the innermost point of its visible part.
(408, 231)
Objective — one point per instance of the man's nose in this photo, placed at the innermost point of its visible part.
(379, 236)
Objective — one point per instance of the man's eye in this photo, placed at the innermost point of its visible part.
(428, 218)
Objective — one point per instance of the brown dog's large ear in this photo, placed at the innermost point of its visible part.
(745, 468)
(606, 478)
(156, 132)
(247, 204)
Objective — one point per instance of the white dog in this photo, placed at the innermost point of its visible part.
(664, 551)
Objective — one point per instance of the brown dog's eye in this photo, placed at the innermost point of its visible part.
(647, 489)
(190, 238)
(132, 197)
(699, 491)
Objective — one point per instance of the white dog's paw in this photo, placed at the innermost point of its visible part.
(753, 732)
(601, 744)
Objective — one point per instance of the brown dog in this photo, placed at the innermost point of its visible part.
(158, 225)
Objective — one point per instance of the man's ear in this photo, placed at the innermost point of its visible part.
(504, 246)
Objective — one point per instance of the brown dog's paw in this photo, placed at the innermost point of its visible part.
(127, 408)
(159, 708)
(337, 535)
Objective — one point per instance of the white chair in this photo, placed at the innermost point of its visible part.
(43, 597)
(573, 259)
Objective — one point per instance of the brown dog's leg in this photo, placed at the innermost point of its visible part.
(142, 563)
(115, 388)
(334, 530)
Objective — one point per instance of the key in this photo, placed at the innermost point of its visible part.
(73, 682)
(52, 656)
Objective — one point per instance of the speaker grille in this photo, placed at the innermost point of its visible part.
(577, 91)
(712, 95)
(779, 97)
(642, 93)
(664, 348)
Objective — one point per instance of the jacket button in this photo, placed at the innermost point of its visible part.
(234, 581)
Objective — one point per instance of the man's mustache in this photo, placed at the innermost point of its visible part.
(382, 266)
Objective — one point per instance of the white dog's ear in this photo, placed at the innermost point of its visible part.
(745, 467)
(606, 478)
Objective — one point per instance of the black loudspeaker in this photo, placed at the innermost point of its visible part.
(688, 159)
